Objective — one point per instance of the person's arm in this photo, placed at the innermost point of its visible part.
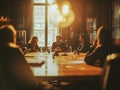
(63, 46)
(53, 46)
(92, 46)
(92, 57)
(90, 50)
(77, 50)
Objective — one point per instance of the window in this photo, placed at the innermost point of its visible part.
(45, 24)
(39, 1)
(39, 24)
(91, 23)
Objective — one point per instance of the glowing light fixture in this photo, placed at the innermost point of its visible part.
(59, 18)
(65, 9)
(66, 15)
(54, 7)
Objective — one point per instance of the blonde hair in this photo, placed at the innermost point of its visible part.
(104, 36)
(32, 39)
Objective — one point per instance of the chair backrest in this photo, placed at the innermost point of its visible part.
(111, 73)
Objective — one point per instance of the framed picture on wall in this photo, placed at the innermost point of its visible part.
(93, 36)
(91, 23)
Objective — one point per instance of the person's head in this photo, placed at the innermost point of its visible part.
(33, 40)
(104, 36)
(58, 38)
(82, 38)
(7, 34)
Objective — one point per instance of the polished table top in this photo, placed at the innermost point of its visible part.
(61, 67)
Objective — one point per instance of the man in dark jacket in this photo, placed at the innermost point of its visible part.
(59, 45)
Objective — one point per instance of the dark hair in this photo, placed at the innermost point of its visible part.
(59, 36)
(105, 36)
(7, 33)
(85, 37)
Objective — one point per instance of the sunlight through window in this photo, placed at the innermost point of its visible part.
(43, 25)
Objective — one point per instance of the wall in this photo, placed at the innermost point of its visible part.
(20, 11)
(99, 9)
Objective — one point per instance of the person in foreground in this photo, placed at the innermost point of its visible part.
(15, 72)
(103, 46)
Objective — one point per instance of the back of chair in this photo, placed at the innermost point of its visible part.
(111, 73)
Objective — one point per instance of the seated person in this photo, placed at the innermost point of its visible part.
(33, 44)
(59, 46)
(84, 44)
(103, 46)
(92, 46)
(15, 71)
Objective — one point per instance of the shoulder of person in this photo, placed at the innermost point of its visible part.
(101, 49)
(15, 47)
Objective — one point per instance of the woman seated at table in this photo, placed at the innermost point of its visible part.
(104, 46)
(33, 44)
(84, 44)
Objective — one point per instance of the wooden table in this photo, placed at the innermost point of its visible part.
(65, 68)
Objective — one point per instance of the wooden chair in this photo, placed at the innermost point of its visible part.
(111, 73)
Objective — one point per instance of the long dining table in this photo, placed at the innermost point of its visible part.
(68, 67)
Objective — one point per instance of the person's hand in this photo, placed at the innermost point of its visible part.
(58, 49)
(27, 51)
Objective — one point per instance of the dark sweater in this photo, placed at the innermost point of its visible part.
(97, 56)
(16, 72)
